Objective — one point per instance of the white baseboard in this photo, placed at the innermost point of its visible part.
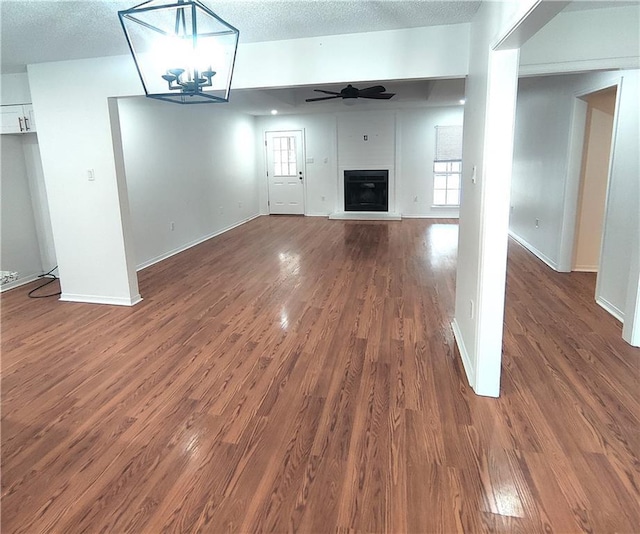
(466, 360)
(95, 299)
(540, 255)
(365, 216)
(586, 268)
(173, 252)
(431, 216)
(613, 310)
(19, 282)
(316, 215)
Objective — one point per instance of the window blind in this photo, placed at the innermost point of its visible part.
(448, 143)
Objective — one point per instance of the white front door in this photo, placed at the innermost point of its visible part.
(285, 172)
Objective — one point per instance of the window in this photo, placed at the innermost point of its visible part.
(447, 167)
(284, 156)
(446, 182)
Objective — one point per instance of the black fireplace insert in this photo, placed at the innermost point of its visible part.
(366, 190)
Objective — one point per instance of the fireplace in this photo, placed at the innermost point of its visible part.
(366, 190)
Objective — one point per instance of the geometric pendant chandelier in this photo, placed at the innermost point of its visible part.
(183, 51)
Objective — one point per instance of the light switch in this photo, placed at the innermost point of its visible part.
(91, 175)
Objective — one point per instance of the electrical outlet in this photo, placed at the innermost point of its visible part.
(91, 175)
(415, 199)
(323, 199)
(172, 226)
(537, 223)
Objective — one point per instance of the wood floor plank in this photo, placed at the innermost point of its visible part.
(303, 377)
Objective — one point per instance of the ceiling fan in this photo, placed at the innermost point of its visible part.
(376, 92)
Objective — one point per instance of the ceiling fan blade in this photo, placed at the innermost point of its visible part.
(326, 92)
(372, 90)
(379, 96)
(322, 98)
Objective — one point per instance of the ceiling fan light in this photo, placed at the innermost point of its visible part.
(350, 93)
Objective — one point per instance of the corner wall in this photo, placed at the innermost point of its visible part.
(26, 226)
(185, 185)
(20, 250)
(74, 133)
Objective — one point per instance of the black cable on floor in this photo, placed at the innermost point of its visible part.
(50, 279)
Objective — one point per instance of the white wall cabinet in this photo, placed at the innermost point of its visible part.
(17, 119)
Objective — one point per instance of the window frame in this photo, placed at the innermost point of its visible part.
(447, 174)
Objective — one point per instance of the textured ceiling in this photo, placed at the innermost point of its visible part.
(36, 31)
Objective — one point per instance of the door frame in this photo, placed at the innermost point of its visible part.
(577, 132)
(302, 166)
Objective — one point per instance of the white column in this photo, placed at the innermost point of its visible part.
(87, 200)
(497, 32)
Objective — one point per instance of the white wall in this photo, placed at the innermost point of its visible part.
(22, 175)
(19, 239)
(540, 185)
(585, 40)
(14, 89)
(540, 163)
(383, 55)
(194, 175)
(416, 138)
(414, 153)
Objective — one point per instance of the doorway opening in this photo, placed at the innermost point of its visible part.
(594, 179)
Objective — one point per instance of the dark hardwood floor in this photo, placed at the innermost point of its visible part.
(299, 374)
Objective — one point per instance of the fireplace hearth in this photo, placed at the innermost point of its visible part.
(366, 190)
